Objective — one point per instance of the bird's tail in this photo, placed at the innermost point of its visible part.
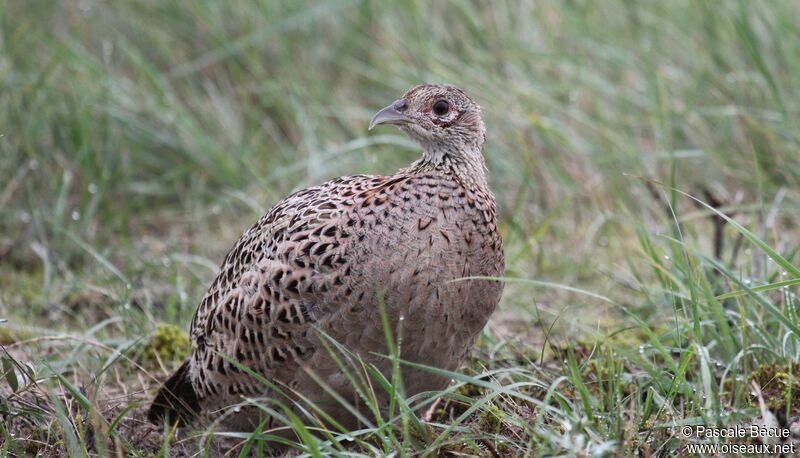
(176, 400)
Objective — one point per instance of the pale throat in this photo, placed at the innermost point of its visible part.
(464, 160)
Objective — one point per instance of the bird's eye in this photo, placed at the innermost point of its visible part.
(441, 107)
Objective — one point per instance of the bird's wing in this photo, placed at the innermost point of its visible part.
(285, 234)
(285, 272)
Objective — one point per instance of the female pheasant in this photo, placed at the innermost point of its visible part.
(323, 260)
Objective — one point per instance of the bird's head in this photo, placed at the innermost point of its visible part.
(441, 117)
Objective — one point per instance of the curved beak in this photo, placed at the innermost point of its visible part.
(390, 115)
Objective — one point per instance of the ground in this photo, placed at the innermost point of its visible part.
(645, 161)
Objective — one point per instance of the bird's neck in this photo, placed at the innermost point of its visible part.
(464, 161)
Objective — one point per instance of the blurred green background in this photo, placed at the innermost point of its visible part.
(126, 124)
(138, 139)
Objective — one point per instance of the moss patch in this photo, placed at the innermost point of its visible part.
(10, 336)
(167, 344)
(779, 385)
(491, 419)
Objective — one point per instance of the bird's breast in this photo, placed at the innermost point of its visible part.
(417, 246)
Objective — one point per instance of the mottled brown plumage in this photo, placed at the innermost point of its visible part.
(321, 259)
